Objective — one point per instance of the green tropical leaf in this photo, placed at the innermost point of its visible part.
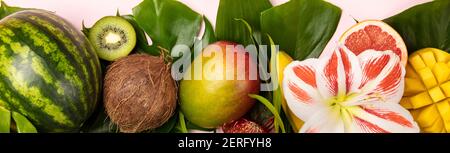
(182, 123)
(209, 36)
(5, 120)
(231, 29)
(302, 28)
(99, 122)
(141, 40)
(168, 22)
(278, 121)
(276, 98)
(23, 124)
(424, 25)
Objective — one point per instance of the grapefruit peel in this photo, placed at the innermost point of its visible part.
(376, 35)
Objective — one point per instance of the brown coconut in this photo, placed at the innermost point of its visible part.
(139, 93)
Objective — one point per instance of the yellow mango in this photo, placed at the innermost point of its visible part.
(417, 62)
(444, 110)
(427, 89)
(406, 103)
(437, 126)
(441, 57)
(413, 86)
(427, 77)
(428, 58)
(441, 71)
(420, 100)
(428, 116)
(436, 94)
(446, 88)
(410, 73)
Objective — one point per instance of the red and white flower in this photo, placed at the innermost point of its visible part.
(343, 92)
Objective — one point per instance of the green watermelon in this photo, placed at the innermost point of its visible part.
(49, 71)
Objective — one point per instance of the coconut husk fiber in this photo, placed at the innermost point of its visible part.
(139, 93)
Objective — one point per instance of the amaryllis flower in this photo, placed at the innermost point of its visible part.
(342, 92)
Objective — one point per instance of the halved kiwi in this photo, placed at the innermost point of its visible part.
(112, 37)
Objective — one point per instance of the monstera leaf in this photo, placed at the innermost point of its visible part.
(168, 22)
(141, 41)
(232, 17)
(302, 28)
(19, 123)
(425, 25)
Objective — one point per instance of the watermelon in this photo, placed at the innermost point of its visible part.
(49, 71)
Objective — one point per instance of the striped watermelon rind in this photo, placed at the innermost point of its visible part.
(49, 72)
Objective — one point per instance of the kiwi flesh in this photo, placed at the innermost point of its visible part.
(113, 37)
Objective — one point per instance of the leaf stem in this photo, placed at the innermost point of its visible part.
(272, 109)
(182, 123)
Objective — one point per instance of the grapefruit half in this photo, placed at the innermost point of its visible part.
(376, 35)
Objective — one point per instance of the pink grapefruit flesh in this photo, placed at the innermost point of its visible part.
(376, 35)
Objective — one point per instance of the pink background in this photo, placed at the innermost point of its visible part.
(90, 11)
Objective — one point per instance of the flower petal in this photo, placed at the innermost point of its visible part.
(382, 117)
(330, 76)
(326, 120)
(300, 89)
(339, 73)
(382, 77)
(352, 68)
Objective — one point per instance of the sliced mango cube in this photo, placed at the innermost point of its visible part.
(441, 71)
(413, 86)
(420, 100)
(428, 58)
(428, 116)
(415, 113)
(446, 88)
(417, 62)
(427, 89)
(437, 126)
(444, 111)
(406, 103)
(441, 57)
(410, 72)
(436, 94)
(428, 78)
